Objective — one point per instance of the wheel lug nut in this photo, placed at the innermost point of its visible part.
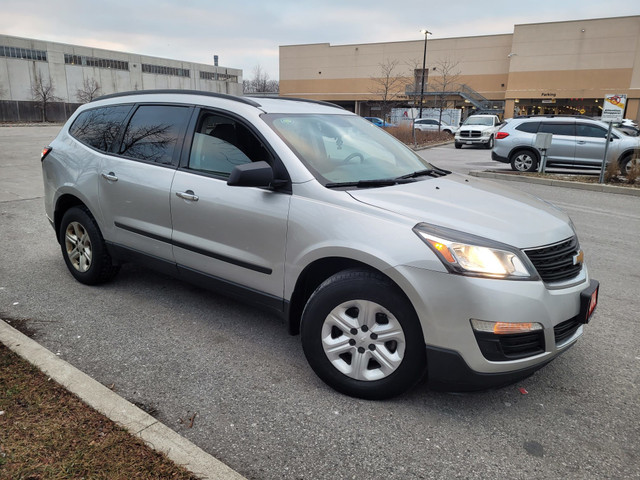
(372, 347)
(365, 328)
(360, 349)
(354, 331)
(352, 342)
(374, 336)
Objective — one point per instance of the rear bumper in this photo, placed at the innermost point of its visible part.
(498, 158)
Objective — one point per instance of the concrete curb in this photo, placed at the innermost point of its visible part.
(595, 187)
(433, 145)
(136, 421)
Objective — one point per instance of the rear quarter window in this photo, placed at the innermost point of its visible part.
(99, 127)
(528, 127)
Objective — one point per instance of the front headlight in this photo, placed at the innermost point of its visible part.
(475, 256)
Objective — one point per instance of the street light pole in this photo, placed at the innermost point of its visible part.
(424, 63)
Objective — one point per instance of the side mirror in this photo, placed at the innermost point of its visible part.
(256, 174)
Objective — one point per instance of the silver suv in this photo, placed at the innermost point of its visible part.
(387, 266)
(576, 142)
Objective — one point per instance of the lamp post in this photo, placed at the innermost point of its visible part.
(425, 32)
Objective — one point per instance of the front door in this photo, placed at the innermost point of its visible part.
(233, 234)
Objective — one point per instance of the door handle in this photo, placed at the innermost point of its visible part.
(110, 176)
(581, 142)
(188, 195)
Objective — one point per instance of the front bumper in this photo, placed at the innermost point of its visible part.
(472, 140)
(447, 371)
(446, 303)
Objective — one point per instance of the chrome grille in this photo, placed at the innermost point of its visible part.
(470, 134)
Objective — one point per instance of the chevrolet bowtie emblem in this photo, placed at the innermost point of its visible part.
(578, 258)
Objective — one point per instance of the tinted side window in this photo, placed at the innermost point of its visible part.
(220, 143)
(529, 127)
(99, 127)
(586, 130)
(558, 128)
(153, 133)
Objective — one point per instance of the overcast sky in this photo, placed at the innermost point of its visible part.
(247, 33)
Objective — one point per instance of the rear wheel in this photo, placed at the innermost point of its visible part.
(362, 337)
(627, 163)
(524, 161)
(84, 249)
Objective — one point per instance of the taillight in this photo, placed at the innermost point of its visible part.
(501, 135)
(45, 152)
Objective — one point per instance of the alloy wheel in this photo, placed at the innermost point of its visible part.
(78, 246)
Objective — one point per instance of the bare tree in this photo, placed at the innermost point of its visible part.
(445, 82)
(260, 83)
(43, 93)
(89, 91)
(390, 85)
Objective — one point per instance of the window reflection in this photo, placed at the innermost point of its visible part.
(153, 133)
(99, 127)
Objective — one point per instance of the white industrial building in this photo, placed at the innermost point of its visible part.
(70, 68)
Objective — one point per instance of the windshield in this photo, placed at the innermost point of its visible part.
(345, 148)
(479, 121)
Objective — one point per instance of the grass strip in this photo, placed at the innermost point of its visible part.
(48, 433)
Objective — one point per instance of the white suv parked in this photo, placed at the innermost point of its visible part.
(388, 266)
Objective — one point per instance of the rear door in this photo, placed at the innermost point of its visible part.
(236, 235)
(136, 180)
(590, 143)
(563, 144)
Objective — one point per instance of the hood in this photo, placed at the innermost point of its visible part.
(474, 206)
(481, 128)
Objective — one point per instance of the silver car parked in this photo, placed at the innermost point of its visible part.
(576, 142)
(387, 266)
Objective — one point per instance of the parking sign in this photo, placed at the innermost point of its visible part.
(613, 108)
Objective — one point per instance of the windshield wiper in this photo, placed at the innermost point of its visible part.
(382, 182)
(431, 172)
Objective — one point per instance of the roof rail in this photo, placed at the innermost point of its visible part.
(554, 115)
(306, 100)
(244, 100)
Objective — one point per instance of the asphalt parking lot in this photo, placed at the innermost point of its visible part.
(177, 350)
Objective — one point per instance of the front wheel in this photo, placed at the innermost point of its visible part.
(458, 145)
(489, 144)
(362, 337)
(84, 249)
(524, 161)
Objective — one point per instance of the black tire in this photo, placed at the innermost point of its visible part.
(626, 163)
(489, 144)
(458, 145)
(83, 248)
(524, 161)
(366, 319)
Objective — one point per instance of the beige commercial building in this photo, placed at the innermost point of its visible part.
(552, 68)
